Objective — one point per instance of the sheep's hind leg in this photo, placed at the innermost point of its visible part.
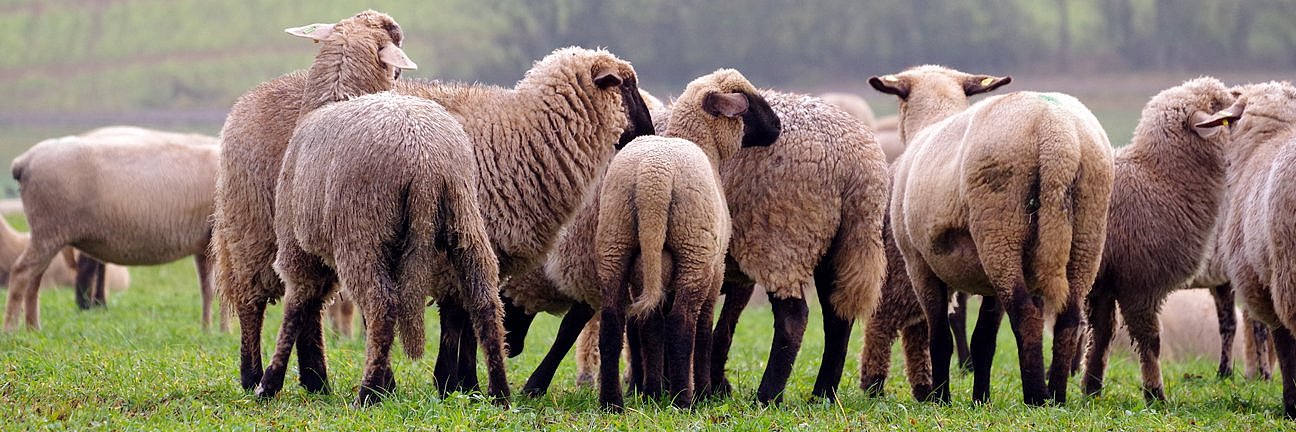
(251, 319)
(572, 325)
(836, 335)
(702, 340)
(467, 365)
(312, 364)
(1259, 350)
(612, 329)
(1227, 318)
(982, 349)
(87, 275)
(1066, 347)
(790, 316)
(737, 294)
(1025, 314)
(1285, 345)
(306, 289)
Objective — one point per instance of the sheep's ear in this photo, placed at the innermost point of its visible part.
(977, 84)
(606, 78)
(1225, 117)
(1202, 118)
(725, 104)
(761, 126)
(891, 84)
(394, 56)
(317, 32)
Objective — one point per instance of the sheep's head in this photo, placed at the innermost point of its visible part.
(1172, 115)
(931, 93)
(372, 34)
(732, 112)
(608, 84)
(1267, 106)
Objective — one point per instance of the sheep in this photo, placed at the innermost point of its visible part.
(999, 210)
(898, 311)
(854, 105)
(338, 220)
(820, 221)
(661, 207)
(61, 271)
(123, 195)
(1168, 185)
(1258, 234)
(253, 141)
(887, 133)
(523, 137)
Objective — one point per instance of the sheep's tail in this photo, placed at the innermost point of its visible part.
(652, 202)
(858, 255)
(1050, 200)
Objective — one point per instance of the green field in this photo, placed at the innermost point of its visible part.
(144, 364)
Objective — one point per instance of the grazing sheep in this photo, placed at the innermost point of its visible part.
(1259, 235)
(1006, 199)
(61, 271)
(338, 221)
(854, 105)
(1166, 195)
(661, 210)
(557, 127)
(122, 195)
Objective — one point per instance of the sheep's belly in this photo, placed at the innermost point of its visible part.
(953, 257)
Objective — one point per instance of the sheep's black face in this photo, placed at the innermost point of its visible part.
(640, 120)
(761, 127)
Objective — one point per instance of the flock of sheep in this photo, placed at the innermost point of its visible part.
(575, 193)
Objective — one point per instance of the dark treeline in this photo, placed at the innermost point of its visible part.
(112, 55)
(798, 41)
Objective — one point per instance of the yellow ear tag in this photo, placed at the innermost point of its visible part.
(987, 81)
(1225, 122)
(890, 78)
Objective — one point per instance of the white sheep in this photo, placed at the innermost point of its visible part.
(990, 200)
(123, 195)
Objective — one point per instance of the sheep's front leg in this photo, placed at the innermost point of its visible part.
(1145, 331)
(681, 333)
(1227, 318)
(652, 342)
(1258, 349)
(517, 322)
(87, 276)
(203, 265)
(790, 316)
(836, 335)
(983, 346)
(958, 323)
(737, 294)
(1102, 323)
(446, 371)
(917, 359)
(875, 358)
(467, 365)
(570, 328)
(934, 298)
(1025, 313)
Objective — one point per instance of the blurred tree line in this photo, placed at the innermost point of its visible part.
(121, 54)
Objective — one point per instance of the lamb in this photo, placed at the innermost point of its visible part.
(253, 141)
(661, 209)
(829, 204)
(1168, 185)
(75, 191)
(1259, 233)
(900, 311)
(336, 220)
(557, 127)
(999, 210)
(61, 271)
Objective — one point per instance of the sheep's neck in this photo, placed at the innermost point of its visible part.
(923, 110)
(701, 136)
(339, 74)
(1257, 139)
(1182, 157)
